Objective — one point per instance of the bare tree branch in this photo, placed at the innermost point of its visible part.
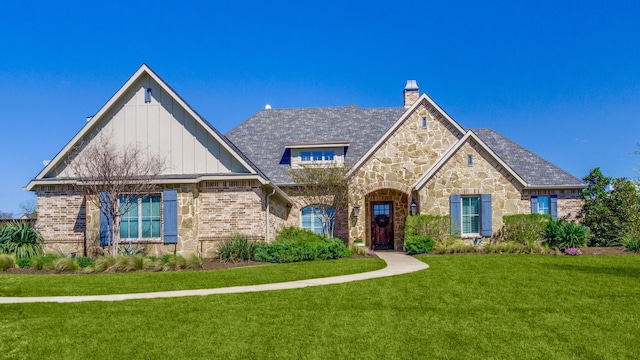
(326, 188)
(111, 177)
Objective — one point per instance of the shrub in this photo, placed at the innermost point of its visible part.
(564, 234)
(512, 247)
(305, 249)
(20, 239)
(436, 227)
(292, 233)
(23, 263)
(419, 244)
(66, 264)
(523, 228)
(103, 263)
(631, 242)
(238, 248)
(7, 262)
(44, 262)
(358, 250)
(84, 261)
(174, 262)
(193, 262)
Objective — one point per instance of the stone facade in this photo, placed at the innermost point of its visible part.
(401, 160)
(485, 176)
(207, 214)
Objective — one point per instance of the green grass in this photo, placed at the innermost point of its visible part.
(462, 307)
(123, 283)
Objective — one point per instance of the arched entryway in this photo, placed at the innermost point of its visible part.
(385, 216)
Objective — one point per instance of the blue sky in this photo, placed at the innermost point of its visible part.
(561, 78)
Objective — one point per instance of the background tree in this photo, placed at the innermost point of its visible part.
(324, 187)
(610, 208)
(112, 178)
(29, 208)
(5, 215)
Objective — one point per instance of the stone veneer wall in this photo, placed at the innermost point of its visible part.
(207, 214)
(485, 176)
(61, 218)
(403, 158)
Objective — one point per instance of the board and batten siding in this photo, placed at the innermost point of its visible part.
(166, 128)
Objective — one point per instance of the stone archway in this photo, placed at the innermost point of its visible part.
(384, 216)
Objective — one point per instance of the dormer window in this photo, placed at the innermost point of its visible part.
(315, 154)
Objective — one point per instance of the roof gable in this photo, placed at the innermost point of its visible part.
(425, 100)
(164, 123)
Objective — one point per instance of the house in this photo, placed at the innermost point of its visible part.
(413, 157)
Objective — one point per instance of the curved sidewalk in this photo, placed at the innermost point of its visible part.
(397, 264)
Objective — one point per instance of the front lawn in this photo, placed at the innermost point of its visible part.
(462, 307)
(139, 282)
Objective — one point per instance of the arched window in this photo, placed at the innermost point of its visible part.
(311, 218)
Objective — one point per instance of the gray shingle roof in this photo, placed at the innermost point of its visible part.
(533, 169)
(262, 137)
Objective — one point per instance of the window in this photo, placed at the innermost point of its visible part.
(469, 160)
(143, 218)
(317, 156)
(328, 155)
(424, 122)
(470, 215)
(543, 205)
(311, 219)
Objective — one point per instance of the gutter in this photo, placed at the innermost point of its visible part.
(266, 236)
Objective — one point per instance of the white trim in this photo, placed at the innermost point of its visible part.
(315, 146)
(97, 118)
(453, 149)
(396, 125)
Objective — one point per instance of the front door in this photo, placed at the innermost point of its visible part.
(382, 225)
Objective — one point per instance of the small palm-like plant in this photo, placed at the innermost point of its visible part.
(20, 239)
(631, 242)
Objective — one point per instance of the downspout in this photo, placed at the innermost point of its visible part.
(266, 237)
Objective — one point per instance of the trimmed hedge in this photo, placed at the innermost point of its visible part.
(419, 244)
(294, 244)
(436, 227)
(523, 229)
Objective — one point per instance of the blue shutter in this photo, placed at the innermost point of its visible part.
(106, 231)
(170, 215)
(553, 207)
(455, 210)
(485, 215)
(534, 204)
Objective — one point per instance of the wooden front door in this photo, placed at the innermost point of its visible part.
(382, 225)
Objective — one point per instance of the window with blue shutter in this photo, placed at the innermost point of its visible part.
(486, 215)
(106, 226)
(170, 214)
(553, 207)
(455, 210)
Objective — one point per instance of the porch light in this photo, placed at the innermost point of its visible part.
(356, 210)
(414, 207)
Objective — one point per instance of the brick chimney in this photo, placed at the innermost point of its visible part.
(411, 93)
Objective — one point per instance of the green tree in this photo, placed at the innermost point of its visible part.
(610, 208)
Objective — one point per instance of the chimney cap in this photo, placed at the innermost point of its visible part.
(412, 85)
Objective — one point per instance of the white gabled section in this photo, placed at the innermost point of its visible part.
(397, 124)
(196, 146)
(453, 149)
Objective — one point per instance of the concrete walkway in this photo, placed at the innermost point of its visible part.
(397, 263)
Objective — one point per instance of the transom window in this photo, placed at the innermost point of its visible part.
(311, 219)
(143, 219)
(470, 215)
(317, 156)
